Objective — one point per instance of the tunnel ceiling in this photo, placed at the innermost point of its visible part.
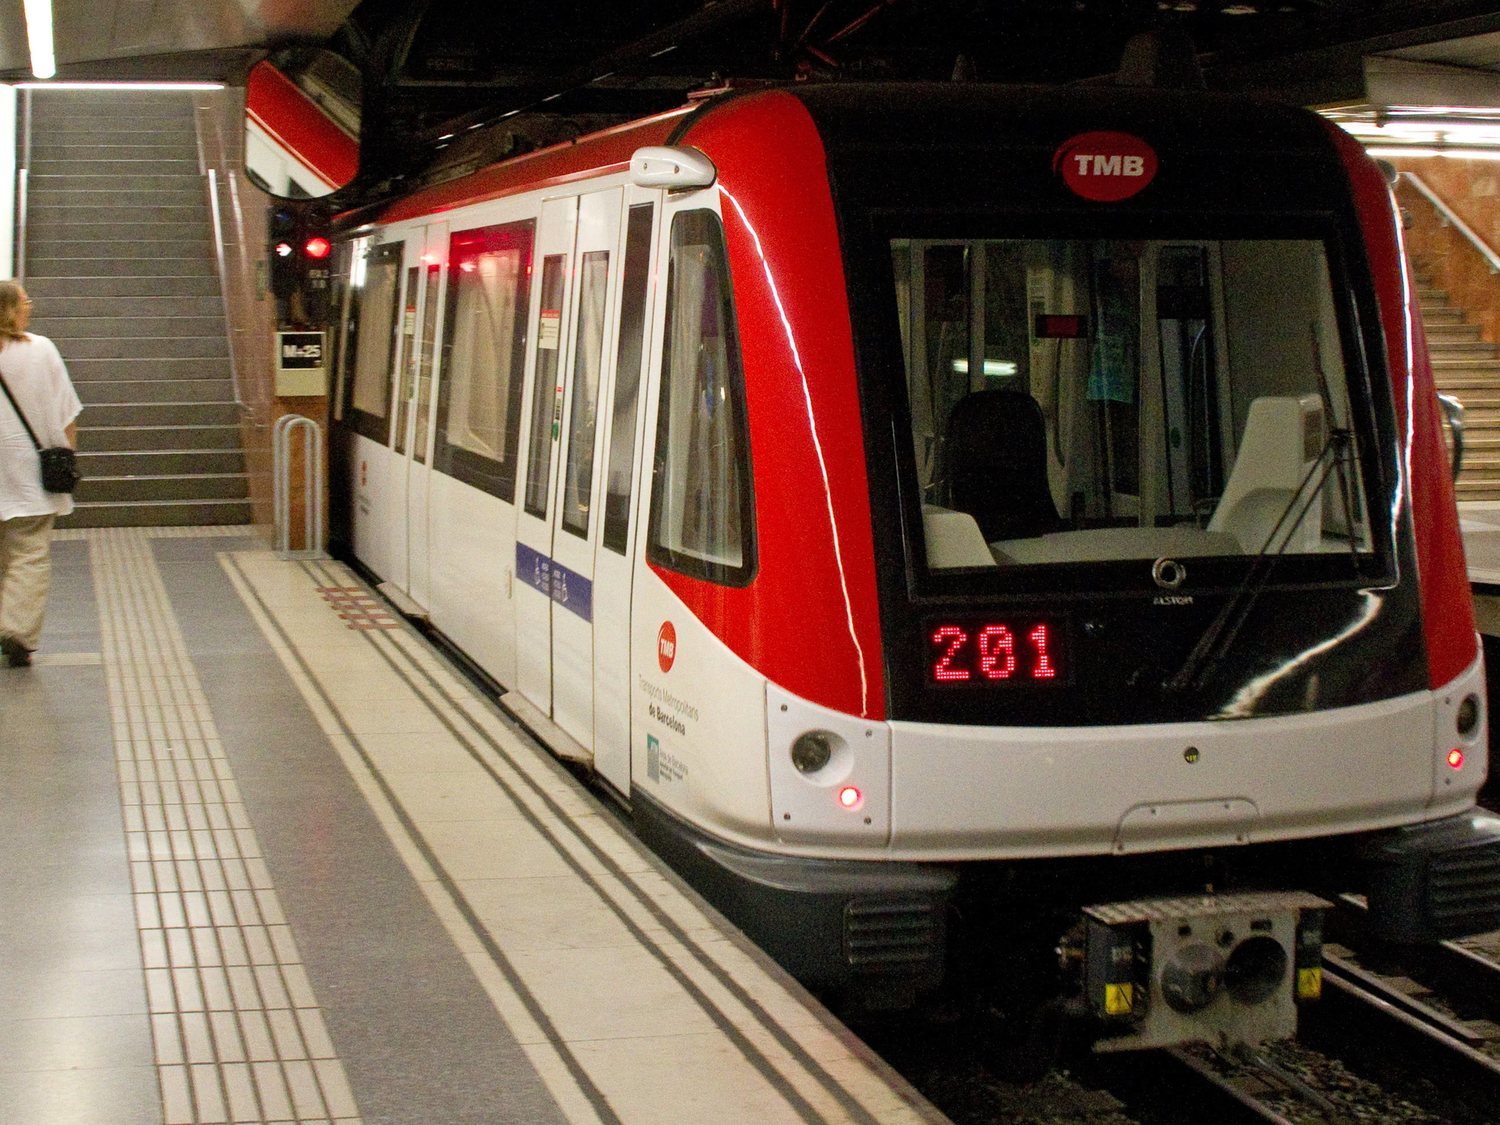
(506, 76)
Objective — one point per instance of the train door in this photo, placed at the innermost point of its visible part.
(542, 414)
(404, 363)
(575, 513)
(622, 432)
(424, 284)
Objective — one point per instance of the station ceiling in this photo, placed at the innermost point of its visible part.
(532, 71)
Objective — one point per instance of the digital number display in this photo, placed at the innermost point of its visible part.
(1011, 651)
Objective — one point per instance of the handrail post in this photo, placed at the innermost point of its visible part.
(314, 522)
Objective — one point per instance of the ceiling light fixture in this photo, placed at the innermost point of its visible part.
(39, 37)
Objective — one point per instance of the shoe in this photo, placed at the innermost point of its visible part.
(17, 655)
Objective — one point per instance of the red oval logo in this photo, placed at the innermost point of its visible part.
(666, 646)
(1105, 167)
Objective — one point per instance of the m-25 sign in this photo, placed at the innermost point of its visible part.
(300, 367)
(299, 351)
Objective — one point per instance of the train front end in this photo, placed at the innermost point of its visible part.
(1169, 634)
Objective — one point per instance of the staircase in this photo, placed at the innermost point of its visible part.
(1467, 368)
(119, 260)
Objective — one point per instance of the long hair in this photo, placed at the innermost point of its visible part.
(11, 294)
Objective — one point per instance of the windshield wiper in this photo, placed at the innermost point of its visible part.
(1222, 631)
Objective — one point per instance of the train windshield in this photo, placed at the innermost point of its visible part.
(1094, 400)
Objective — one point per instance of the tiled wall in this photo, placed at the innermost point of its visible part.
(1472, 189)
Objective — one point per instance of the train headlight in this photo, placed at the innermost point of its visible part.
(1466, 719)
(1256, 969)
(812, 751)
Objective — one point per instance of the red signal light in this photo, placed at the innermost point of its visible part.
(317, 248)
(1456, 758)
(850, 797)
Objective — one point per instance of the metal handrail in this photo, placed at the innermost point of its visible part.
(218, 224)
(23, 186)
(314, 524)
(1450, 217)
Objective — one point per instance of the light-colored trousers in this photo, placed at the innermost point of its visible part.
(25, 573)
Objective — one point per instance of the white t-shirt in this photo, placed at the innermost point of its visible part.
(34, 372)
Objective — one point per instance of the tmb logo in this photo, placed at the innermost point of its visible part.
(666, 646)
(1105, 167)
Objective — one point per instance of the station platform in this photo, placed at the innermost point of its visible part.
(266, 856)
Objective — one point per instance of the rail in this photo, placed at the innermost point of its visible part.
(218, 223)
(23, 185)
(1450, 216)
(314, 525)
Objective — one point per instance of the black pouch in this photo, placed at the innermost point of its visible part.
(59, 469)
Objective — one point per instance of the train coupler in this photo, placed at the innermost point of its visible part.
(1228, 970)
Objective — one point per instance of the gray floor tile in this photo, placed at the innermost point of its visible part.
(126, 1095)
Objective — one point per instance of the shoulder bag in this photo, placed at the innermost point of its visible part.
(59, 463)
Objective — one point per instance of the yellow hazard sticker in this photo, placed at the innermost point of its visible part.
(1119, 999)
(1309, 983)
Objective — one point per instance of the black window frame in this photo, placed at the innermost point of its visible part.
(496, 476)
(657, 553)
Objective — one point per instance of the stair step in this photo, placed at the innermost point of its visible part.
(161, 462)
(81, 327)
(1451, 331)
(98, 285)
(42, 233)
(41, 214)
(63, 308)
(1441, 363)
(142, 347)
(159, 513)
(100, 392)
(119, 267)
(82, 167)
(162, 414)
(109, 145)
(1458, 349)
(126, 439)
(50, 186)
(63, 246)
(183, 192)
(180, 486)
(149, 367)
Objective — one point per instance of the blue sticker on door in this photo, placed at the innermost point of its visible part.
(567, 588)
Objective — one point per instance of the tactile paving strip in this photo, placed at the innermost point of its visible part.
(237, 1030)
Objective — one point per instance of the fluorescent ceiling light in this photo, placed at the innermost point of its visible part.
(39, 37)
(125, 86)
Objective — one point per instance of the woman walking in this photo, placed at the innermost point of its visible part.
(37, 381)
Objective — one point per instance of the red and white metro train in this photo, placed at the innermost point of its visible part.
(937, 511)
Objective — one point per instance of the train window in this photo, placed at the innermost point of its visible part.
(1093, 400)
(406, 359)
(588, 356)
(701, 504)
(348, 277)
(428, 345)
(374, 358)
(546, 402)
(627, 378)
(484, 350)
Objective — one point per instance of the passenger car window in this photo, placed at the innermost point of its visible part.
(370, 391)
(627, 378)
(588, 356)
(702, 515)
(484, 349)
(546, 402)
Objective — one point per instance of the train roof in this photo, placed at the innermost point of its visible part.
(930, 117)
